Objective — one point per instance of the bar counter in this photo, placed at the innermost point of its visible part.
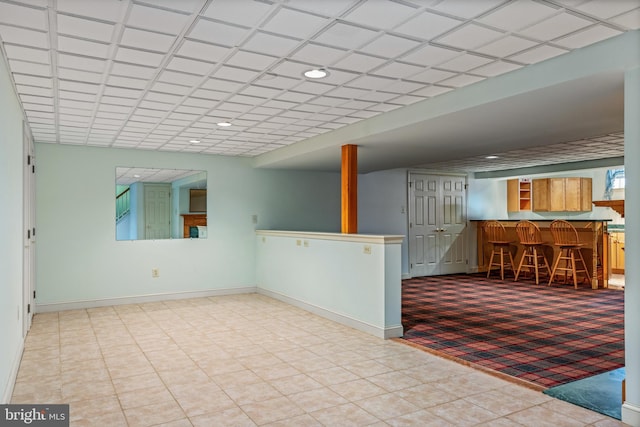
(592, 233)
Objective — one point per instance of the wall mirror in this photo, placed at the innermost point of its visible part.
(160, 203)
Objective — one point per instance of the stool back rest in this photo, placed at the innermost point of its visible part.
(563, 233)
(528, 232)
(495, 231)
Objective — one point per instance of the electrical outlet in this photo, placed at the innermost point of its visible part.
(367, 249)
(298, 242)
(306, 243)
(155, 272)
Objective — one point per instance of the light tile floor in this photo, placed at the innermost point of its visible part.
(247, 360)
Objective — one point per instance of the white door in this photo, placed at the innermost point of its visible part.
(437, 221)
(157, 211)
(29, 236)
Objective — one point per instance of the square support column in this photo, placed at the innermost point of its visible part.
(349, 189)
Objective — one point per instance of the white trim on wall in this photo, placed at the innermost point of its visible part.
(13, 374)
(141, 299)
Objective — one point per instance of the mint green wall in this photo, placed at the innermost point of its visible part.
(79, 258)
(11, 231)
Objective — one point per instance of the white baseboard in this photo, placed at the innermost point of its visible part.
(13, 374)
(389, 332)
(630, 414)
(139, 299)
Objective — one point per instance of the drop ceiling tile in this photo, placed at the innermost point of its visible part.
(384, 107)
(324, 8)
(74, 112)
(202, 51)
(317, 54)
(556, 26)
(235, 74)
(85, 28)
(24, 16)
(81, 63)
(37, 107)
(295, 96)
(33, 90)
(253, 61)
(126, 82)
(403, 87)
(294, 24)
(290, 69)
(398, 70)
(630, 20)
(469, 37)
(428, 25)
(278, 82)
(234, 108)
(21, 67)
(209, 94)
(148, 40)
(263, 92)
(217, 32)
(167, 98)
(29, 54)
(495, 68)
(431, 76)
(506, 46)
(151, 18)
(518, 14)
(82, 47)
(389, 46)
(76, 104)
(117, 102)
(586, 37)
(466, 8)
(190, 66)
(607, 9)
(184, 79)
(538, 54)
(245, 99)
(377, 96)
(465, 62)
(247, 12)
(22, 79)
(139, 57)
(371, 82)
(346, 92)
(365, 114)
(130, 70)
(114, 116)
(359, 62)
(103, 10)
(346, 35)
(270, 44)
(123, 92)
(430, 55)
(314, 88)
(461, 80)
(381, 13)
(189, 6)
(23, 36)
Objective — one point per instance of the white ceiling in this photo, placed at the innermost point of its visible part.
(157, 74)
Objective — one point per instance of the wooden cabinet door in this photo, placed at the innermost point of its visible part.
(557, 194)
(513, 195)
(541, 195)
(572, 194)
(586, 195)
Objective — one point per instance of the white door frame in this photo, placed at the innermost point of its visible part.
(29, 238)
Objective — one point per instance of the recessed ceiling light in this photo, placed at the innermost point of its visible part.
(224, 124)
(316, 73)
(491, 157)
(136, 176)
(195, 141)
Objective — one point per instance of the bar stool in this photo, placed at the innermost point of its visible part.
(497, 236)
(566, 238)
(532, 256)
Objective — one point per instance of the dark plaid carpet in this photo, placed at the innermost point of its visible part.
(544, 335)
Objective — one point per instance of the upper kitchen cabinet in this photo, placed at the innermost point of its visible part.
(562, 194)
(518, 195)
